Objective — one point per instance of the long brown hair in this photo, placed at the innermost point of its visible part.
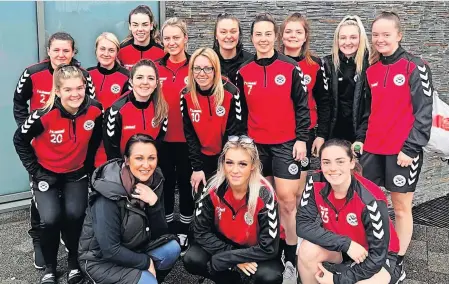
(346, 145)
(160, 105)
(387, 15)
(144, 9)
(305, 49)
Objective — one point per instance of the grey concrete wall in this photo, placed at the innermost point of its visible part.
(426, 33)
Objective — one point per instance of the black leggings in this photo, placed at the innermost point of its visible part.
(175, 165)
(196, 258)
(61, 208)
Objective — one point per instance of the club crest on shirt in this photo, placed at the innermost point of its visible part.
(279, 80)
(307, 79)
(115, 88)
(43, 186)
(153, 123)
(351, 218)
(399, 180)
(89, 125)
(293, 169)
(186, 79)
(220, 111)
(399, 80)
(249, 219)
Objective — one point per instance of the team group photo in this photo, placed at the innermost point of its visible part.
(238, 152)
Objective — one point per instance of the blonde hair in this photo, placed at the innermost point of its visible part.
(160, 105)
(108, 36)
(256, 180)
(305, 49)
(387, 15)
(217, 88)
(175, 22)
(363, 43)
(61, 73)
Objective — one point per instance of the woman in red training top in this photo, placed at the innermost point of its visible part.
(143, 39)
(142, 110)
(211, 111)
(56, 144)
(278, 119)
(354, 226)
(33, 88)
(109, 78)
(295, 43)
(174, 162)
(236, 224)
(399, 86)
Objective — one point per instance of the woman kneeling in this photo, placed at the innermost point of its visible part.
(355, 224)
(236, 224)
(124, 238)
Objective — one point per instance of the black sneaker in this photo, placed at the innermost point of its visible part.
(39, 262)
(398, 273)
(74, 276)
(184, 243)
(48, 278)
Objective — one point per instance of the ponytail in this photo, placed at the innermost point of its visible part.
(154, 33)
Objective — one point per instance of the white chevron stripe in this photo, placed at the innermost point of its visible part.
(411, 181)
(111, 119)
(375, 217)
(413, 174)
(274, 224)
(425, 85)
(112, 112)
(110, 126)
(306, 195)
(273, 233)
(372, 208)
(110, 133)
(378, 235)
(422, 69)
(35, 115)
(428, 93)
(414, 166)
(378, 225)
(198, 212)
(424, 77)
(237, 96)
(239, 117)
(304, 202)
(200, 205)
(237, 103)
(272, 215)
(270, 206)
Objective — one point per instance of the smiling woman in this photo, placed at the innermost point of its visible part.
(66, 133)
(124, 237)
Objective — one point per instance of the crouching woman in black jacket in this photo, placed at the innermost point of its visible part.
(236, 224)
(124, 238)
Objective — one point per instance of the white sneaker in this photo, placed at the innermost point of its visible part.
(290, 275)
(184, 243)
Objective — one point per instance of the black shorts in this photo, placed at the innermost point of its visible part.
(389, 264)
(384, 171)
(305, 164)
(277, 160)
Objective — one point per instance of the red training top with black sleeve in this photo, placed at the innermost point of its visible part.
(220, 216)
(59, 141)
(35, 85)
(110, 85)
(131, 53)
(207, 128)
(173, 78)
(400, 89)
(127, 117)
(362, 218)
(317, 87)
(274, 98)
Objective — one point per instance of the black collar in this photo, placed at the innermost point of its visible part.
(74, 62)
(326, 190)
(392, 58)
(206, 93)
(145, 48)
(163, 60)
(140, 105)
(298, 58)
(105, 71)
(224, 187)
(266, 61)
(345, 59)
(64, 113)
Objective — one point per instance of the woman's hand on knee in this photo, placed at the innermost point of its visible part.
(357, 252)
(248, 268)
(323, 276)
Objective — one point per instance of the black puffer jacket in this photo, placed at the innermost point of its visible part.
(229, 67)
(360, 104)
(117, 233)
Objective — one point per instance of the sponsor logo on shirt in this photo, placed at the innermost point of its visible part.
(129, 127)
